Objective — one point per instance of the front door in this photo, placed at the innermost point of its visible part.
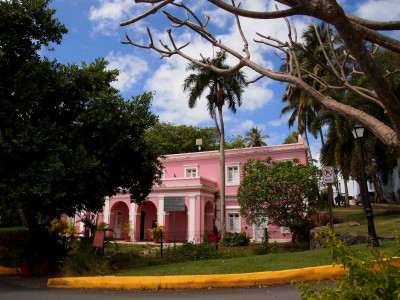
(117, 224)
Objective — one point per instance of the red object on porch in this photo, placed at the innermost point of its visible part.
(212, 237)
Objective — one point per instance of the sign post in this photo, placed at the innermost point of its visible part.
(328, 175)
(174, 204)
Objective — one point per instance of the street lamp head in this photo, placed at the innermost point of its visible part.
(358, 131)
(199, 143)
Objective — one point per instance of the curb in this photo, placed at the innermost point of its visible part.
(200, 281)
(8, 271)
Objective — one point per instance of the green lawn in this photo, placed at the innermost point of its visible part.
(253, 263)
(386, 221)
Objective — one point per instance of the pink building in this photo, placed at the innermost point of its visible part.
(186, 202)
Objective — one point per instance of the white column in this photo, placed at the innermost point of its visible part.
(160, 212)
(201, 217)
(106, 212)
(81, 225)
(192, 215)
(132, 218)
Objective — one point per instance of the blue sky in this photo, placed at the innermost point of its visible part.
(94, 32)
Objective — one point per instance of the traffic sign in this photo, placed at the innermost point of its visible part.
(328, 174)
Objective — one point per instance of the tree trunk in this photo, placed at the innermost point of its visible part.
(398, 166)
(222, 168)
(23, 218)
(321, 136)
(346, 193)
(378, 188)
(308, 143)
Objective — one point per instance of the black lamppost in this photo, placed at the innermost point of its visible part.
(358, 133)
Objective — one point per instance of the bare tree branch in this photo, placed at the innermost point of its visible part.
(149, 12)
(378, 38)
(354, 31)
(375, 25)
(254, 14)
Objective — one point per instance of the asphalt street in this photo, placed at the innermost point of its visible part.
(16, 288)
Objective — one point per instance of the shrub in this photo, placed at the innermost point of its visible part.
(156, 232)
(191, 251)
(19, 246)
(12, 244)
(58, 226)
(370, 276)
(261, 249)
(124, 260)
(84, 263)
(235, 239)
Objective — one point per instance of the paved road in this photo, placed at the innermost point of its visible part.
(13, 288)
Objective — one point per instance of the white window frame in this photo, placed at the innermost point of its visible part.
(192, 169)
(235, 179)
(285, 230)
(235, 218)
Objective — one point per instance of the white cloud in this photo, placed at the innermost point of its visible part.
(241, 127)
(170, 102)
(256, 96)
(131, 69)
(381, 10)
(219, 17)
(279, 122)
(109, 13)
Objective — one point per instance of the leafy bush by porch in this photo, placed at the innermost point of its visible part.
(232, 239)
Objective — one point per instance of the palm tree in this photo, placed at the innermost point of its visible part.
(338, 151)
(304, 109)
(221, 88)
(254, 138)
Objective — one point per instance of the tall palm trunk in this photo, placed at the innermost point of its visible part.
(308, 143)
(321, 136)
(222, 167)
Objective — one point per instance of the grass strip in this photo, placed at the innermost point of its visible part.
(249, 264)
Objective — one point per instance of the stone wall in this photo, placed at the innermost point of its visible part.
(348, 238)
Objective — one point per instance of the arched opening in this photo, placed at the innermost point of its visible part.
(146, 219)
(119, 215)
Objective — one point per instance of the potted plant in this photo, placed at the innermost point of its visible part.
(127, 229)
(156, 233)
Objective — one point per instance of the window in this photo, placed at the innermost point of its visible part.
(191, 172)
(234, 222)
(285, 230)
(232, 176)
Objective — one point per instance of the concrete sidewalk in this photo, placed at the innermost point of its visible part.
(200, 281)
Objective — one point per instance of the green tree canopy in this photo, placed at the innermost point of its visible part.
(292, 138)
(170, 139)
(235, 142)
(67, 138)
(284, 193)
